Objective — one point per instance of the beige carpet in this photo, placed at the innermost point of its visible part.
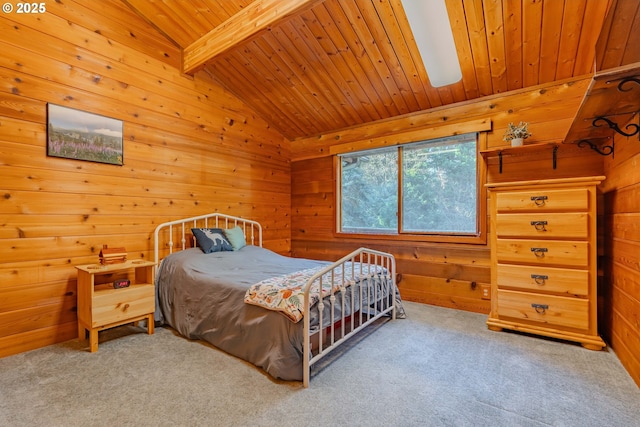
(438, 367)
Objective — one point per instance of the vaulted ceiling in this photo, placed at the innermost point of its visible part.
(313, 66)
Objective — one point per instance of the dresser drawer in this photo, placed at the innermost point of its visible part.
(543, 225)
(119, 304)
(547, 309)
(543, 279)
(543, 252)
(576, 199)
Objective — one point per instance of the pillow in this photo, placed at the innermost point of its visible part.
(236, 237)
(211, 240)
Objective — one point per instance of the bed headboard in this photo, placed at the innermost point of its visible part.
(176, 235)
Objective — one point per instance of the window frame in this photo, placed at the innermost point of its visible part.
(480, 237)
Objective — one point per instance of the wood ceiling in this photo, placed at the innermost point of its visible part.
(309, 67)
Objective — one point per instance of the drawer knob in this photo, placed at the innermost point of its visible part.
(539, 200)
(539, 278)
(539, 225)
(539, 252)
(540, 308)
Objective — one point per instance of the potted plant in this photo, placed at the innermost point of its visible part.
(517, 133)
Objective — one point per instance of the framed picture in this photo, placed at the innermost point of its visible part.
(75, 134)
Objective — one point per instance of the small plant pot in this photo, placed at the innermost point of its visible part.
(517, 142)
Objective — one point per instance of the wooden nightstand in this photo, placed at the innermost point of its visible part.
(100, 306)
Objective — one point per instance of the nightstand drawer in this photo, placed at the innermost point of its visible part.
(543, 252)
(543, 225)
(547, 309)
(543, 279)
(115, 305)
(543, 200)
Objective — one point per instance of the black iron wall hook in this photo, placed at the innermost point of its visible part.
(627, 80)
(605, 151)
(613, 125)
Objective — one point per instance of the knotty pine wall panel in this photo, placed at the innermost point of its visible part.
(189, 148)
(450, 275)
(549, 110)
(621, 290)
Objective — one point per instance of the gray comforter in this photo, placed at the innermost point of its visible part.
(202, 297)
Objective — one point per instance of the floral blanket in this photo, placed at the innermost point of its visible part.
(286, 295)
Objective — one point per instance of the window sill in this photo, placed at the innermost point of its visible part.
(480, 239)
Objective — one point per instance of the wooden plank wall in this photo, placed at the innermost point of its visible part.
(449, 275)
(622, 252)
(190, 148)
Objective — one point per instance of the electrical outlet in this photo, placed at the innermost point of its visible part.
(486, 291)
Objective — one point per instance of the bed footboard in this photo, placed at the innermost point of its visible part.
(368, 277)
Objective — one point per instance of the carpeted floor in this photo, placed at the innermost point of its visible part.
(438, 367)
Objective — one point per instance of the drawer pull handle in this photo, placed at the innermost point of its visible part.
(539, 278)
(539, 252)
(539, 200)
(539, 225)
(540, 308)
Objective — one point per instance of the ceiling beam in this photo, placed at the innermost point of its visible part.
(258, 16)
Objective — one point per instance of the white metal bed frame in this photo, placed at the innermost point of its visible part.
(365, 263)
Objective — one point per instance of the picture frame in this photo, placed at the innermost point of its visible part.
(79, 135)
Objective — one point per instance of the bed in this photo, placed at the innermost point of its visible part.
(279, 313)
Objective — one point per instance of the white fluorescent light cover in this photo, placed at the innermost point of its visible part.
(432, 31)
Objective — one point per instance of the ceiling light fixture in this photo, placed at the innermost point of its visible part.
(431, 29)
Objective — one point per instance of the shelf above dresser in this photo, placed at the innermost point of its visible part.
(521, 151)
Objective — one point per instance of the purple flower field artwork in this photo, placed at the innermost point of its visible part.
(79, 135)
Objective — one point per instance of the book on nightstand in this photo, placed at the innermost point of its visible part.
(112, 255)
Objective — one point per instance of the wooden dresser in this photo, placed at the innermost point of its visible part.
(544, 258)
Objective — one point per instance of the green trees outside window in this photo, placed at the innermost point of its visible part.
(427, 187)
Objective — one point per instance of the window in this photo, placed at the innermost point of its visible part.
(426, 187)
(370, 192)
